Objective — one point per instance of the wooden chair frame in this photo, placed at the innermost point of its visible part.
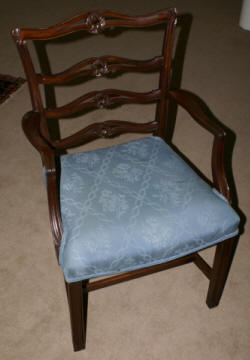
(36, 130)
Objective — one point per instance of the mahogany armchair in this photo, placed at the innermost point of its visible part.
(131, 209)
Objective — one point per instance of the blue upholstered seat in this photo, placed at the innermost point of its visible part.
(134, 205)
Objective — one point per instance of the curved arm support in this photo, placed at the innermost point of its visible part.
(190, 103)
(31, 124)
(218, 170)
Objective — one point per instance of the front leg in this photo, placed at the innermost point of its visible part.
(78, 306)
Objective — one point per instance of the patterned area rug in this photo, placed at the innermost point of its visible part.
(8, 85)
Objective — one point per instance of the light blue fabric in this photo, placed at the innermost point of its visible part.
(134, 205)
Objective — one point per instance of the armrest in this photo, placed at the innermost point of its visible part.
(31, 123)
(191, 104)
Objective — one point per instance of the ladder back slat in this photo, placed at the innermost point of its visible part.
(97, 67)
(105, 129)
(102, 99)
(95, 22)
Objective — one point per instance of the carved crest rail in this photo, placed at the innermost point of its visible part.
(94, 23)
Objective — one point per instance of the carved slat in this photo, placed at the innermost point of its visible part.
(104, 129)
(102, 99)
(100, 66)
(94, 22)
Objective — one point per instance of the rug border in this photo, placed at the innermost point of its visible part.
(16, 83)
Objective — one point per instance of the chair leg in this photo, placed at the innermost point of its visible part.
(222, 261)
(78, 306)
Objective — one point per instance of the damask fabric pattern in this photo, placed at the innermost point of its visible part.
(135, 205)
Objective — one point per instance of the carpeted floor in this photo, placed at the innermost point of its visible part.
(163, 316)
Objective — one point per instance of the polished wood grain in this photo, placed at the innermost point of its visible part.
(99, 284)
(30, 124)
(106, 129)
(103, 99)
(78, 306)
(95, 22)
(97, 67)
(222, 262)
(202, 265)
(190, 103)
(35, 126)
(164, 82)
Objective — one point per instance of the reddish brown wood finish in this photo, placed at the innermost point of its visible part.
(78, 306)
(30, 123)
(105, 129)
(222, 262)
(103, 99)
(97, 67)
(99, 284)
(202, 265)
(95, 22)
(36, 130)
(189, 102)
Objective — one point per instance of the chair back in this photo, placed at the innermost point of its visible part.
(95, 23)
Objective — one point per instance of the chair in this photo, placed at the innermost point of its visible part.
(131, 209)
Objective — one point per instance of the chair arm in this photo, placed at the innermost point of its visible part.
(31, 124)
(192, 105)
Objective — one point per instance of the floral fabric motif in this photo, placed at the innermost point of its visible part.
(135, 205)
(113, 203)
(127, 172)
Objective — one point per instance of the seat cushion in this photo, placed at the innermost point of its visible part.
(135, 205)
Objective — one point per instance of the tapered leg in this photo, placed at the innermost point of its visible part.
(222, 261)
(78, 305)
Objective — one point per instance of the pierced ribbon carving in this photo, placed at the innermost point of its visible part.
(106, 132)
(102, 101)
(95, 23)
(101, 67)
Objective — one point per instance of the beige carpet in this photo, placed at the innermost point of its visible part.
(163, 316)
